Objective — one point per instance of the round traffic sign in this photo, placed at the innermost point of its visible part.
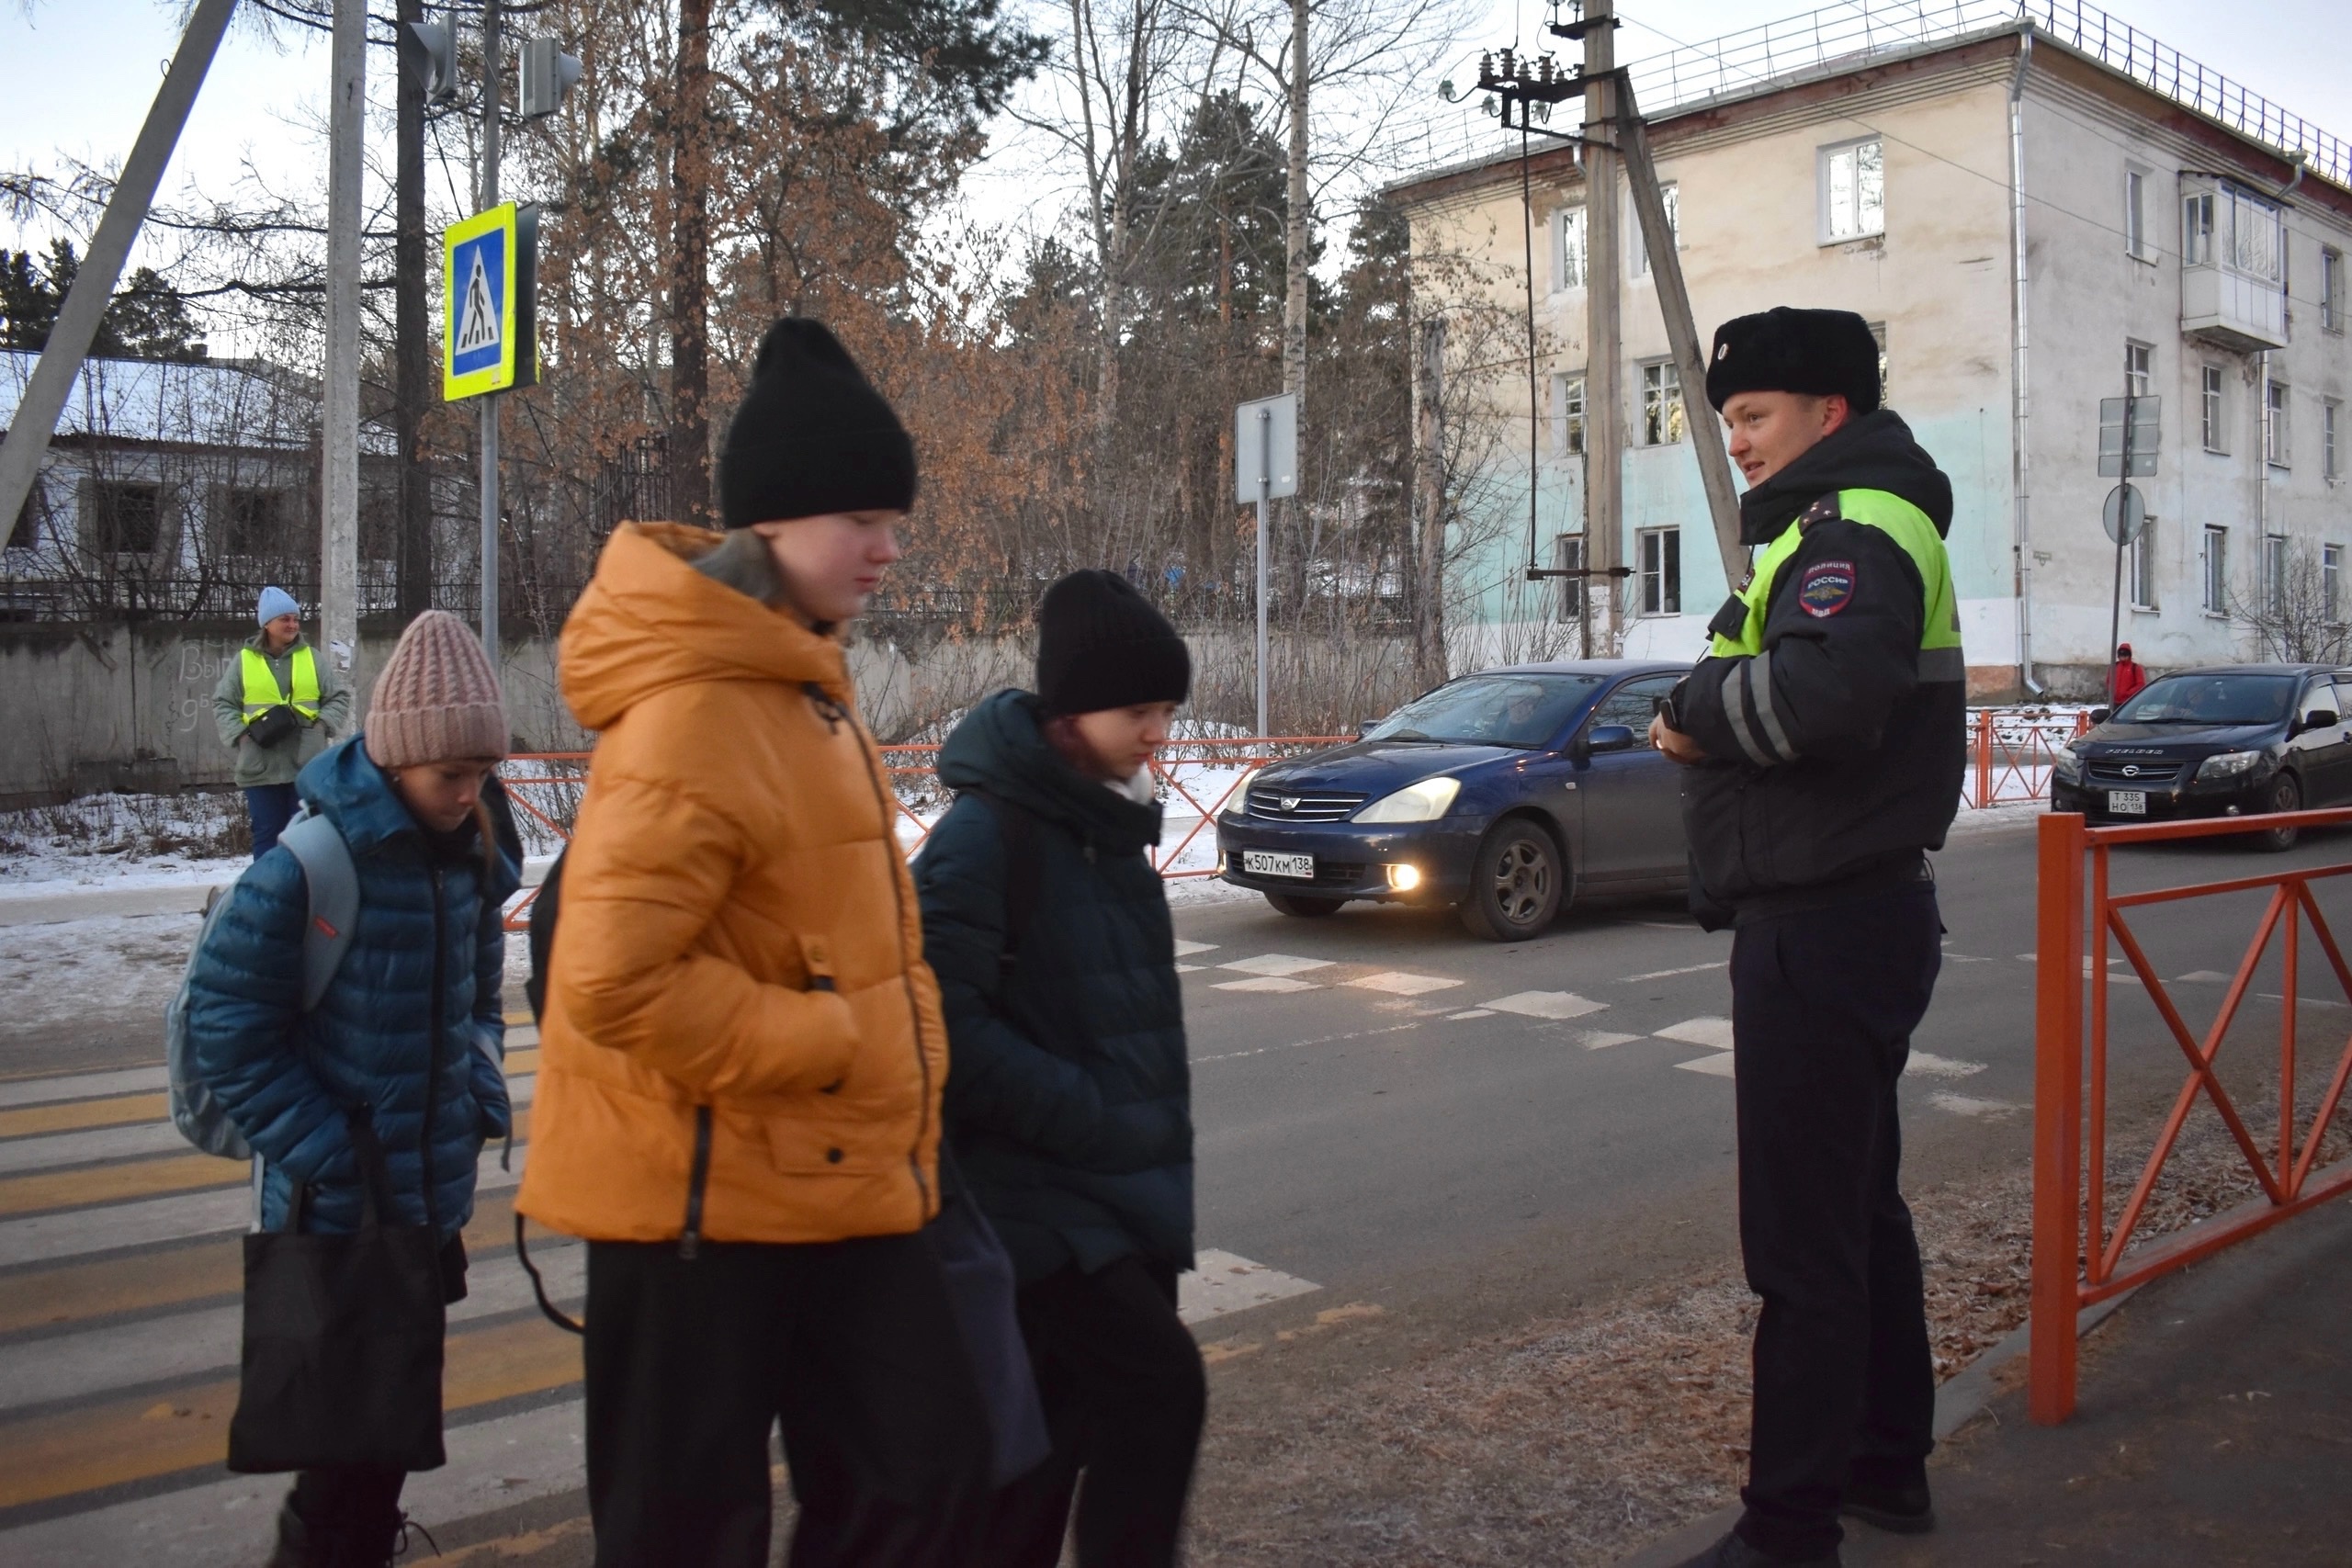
(2124, 514)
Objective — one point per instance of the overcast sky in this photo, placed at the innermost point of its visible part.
(76, 78)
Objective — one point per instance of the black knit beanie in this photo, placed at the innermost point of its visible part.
(1101, 645)
(1817, 353)
(811, 436)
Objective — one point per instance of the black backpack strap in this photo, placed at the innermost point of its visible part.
(1018, 828)
(538, 1286)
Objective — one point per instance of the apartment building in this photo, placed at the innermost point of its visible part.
(2035, 205)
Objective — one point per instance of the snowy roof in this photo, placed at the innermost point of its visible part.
(249, 404)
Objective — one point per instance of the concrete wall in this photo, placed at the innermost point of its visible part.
(91, 709)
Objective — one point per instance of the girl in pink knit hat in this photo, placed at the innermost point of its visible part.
(396, 1070)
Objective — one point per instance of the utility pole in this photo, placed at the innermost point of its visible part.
(411, 357)
(339, 404)
(1429, 533)
(85, 303)
(1604, 404)
(689, 454)
(488, 198)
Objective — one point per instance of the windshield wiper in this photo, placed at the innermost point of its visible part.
(1403, 734)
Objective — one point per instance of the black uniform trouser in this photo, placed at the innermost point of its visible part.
(1823, 1002)
(852, 1345)
(1124, 1394)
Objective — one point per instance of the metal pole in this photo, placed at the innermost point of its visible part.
(2122, 527)
(490, 153)
(2057, 1119)
(1604, 487)
(339, 412)
(85, 303)
(1265, 484)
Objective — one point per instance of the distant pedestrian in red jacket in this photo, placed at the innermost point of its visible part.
(2127, 678)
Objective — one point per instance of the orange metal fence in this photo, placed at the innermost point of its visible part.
(1202, 776)
(2015, 752)
(2077, 1259)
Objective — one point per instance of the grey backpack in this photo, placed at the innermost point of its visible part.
(333, 886)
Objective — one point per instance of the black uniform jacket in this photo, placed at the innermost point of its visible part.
(1857, 767)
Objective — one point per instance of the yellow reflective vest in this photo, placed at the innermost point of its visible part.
(262, 692)
(1941, 658)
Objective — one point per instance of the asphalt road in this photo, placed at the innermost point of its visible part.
(1390, 1112)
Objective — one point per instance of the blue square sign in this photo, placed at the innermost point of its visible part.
(478, 288)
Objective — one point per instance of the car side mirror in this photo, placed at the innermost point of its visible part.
(2321, 719)
(2100, 716)
(1363, 728)
(1610, 738)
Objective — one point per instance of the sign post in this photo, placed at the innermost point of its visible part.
(489, 308)
(1265, 468)
(2128, 438)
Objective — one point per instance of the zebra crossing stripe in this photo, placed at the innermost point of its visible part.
(77, 1113)
(83, 1085)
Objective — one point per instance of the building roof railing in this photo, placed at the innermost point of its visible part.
(1855, 33)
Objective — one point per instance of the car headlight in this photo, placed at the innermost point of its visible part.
(2068, 765)
(2228, 765)
(1423, 802)
(1237, 802)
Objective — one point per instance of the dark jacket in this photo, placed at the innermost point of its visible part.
(411, 1026)
(1876, 752)
(1068, 1091)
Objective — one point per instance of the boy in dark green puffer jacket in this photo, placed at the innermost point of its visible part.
(1068, 1098)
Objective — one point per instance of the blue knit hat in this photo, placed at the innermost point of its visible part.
(275, 601)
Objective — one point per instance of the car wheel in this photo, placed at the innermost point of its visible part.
(2284, 795)
(1516, 884)
(1305, 908)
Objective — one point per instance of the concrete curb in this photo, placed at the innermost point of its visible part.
(1958, 1402)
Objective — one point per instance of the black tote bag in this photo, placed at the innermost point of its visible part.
(343, 1339)
(979, 1291)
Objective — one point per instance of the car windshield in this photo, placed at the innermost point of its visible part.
(1490, 710)
(2210, 699)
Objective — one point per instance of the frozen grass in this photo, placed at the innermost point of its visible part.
(117, 839)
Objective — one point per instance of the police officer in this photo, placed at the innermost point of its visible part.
(1824, 737)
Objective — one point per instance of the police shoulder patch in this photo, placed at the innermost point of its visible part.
(1827, 587)
(1825, 510)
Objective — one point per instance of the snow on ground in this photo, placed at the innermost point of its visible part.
(122, 841)
(55, 976)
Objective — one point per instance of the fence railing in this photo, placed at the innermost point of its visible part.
(2015, 754)
(2078, 1258)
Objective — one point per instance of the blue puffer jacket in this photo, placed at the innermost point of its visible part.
(1069, 1089)
(411, 1026)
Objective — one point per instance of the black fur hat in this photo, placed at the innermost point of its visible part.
(1784, 349)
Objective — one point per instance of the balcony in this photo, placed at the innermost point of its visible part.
(2232, 280)
(2231, 310)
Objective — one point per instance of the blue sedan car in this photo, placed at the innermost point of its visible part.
(1506, 794)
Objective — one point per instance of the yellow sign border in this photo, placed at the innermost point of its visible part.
(492, 377)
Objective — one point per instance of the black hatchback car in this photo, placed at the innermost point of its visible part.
(2236, 740)
(1506, 794)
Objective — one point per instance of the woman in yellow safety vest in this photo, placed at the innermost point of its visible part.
(278, 706)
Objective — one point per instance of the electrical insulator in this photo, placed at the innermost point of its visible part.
(1510, 67)
(1486, 69)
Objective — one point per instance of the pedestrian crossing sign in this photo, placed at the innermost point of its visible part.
(487, 341)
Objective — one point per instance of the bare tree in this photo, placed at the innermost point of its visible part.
(2298, 616)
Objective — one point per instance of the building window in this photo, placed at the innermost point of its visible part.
(2234, 229)
(1885, 393)
(2275, 424)
(2331, 414)
(1567, 248)
(1661, 571)
(1661, 404)
(2137, 357)
(2212, 410)
(1568, 555)
(2196, 230)
(1853, 191)
(2217, 570)
(2274, 574)
(1567, 415)
(2142, 563)
(125, 519)
(251, 523)
(1672, 195)
(2135, 216)
(25, 533)
(2331, 290)
(2331, 566)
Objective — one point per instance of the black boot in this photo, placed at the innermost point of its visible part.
(1733, 1552)
(299, 1546)
(1904, 1510)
